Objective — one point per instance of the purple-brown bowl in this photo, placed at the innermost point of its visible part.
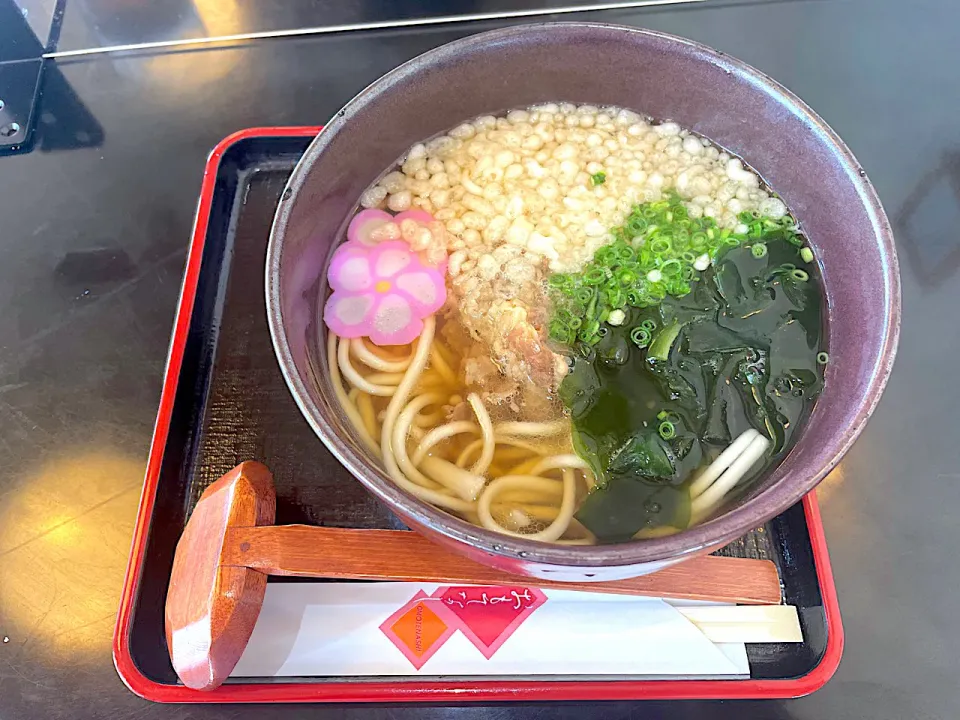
(660, 75)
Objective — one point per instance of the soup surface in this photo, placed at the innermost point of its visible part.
(573, 324)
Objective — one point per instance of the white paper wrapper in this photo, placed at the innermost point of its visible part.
(414, 629)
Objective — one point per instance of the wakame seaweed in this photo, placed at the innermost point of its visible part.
(738, 352)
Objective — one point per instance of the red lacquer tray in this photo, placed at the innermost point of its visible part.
(224, 401)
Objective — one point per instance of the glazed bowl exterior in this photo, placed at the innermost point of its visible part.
(663, 76)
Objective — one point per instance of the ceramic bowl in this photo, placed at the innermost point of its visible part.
(668, 78)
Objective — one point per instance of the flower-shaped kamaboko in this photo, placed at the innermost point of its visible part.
(382, 291)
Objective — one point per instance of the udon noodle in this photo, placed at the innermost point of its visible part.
(396, 405)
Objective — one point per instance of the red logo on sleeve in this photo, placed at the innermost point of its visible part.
(488, 616)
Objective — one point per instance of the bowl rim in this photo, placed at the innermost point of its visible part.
(712, 534)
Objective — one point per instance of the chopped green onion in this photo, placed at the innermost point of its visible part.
(635, 298)
(657, 251)
(667, 430)
(598, 178)
(806, 254)
(592, 306)
(588, 331)
(660, 246)
(660, 347)
(640, 337)
(594, 276)
(649, 325)
(559, 280)
(560, 333)
(584, 295)
(627, 277)
(678, 288)
(605, 255)
(799, 275)
(823, 358)
(671, 268)
(616, 298)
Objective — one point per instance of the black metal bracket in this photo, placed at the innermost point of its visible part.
(20, 90)
(22, 70)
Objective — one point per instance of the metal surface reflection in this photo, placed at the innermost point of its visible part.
(928, 222)
(267, 21)
(64, 538)
(180, 75)
(830, 484)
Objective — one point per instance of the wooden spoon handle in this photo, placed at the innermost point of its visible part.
(307, 551)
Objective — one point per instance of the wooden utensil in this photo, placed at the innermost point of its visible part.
(230, 546)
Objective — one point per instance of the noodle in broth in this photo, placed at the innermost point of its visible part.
(547, 338)
(536, 479)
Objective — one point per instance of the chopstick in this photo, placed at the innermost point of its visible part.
(745, 623)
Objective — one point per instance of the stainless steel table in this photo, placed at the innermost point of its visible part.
(93, 226)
